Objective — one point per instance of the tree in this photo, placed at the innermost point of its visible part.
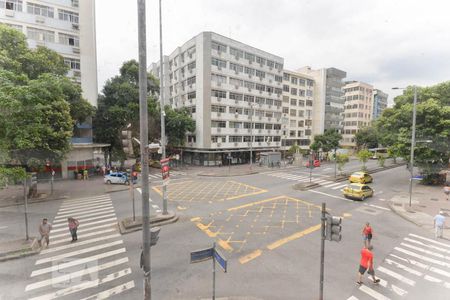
(327, 141)
(431, 153)
(39, 105)
(293, 149)
(367, 137)
(363, 156)
(178, 123)
(381, 160)
(341, 160)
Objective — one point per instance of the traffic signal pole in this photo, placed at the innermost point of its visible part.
(143, 116)
(322, 251)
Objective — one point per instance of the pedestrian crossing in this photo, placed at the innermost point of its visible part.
(94, 267)
(304, 178)
(172, 174)
(417, 268)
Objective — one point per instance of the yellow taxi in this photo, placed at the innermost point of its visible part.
(358, 191)
(360, 177)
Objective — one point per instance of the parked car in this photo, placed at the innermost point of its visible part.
(357, 191)
(117, 178)
(316, 163)
(360, 177)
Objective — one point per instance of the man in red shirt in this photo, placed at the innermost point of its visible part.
(365, 264)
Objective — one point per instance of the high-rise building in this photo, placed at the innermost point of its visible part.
(234, 93)
(379, 103)
(329, 100)
(67, 27)
(297, 109)
(358, 110)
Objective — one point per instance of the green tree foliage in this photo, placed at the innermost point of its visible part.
(39, 105)
(327, 141)
(341, 160)
(381, 160)
(363, 156)
(293, 149)
(367, 137)
(118, 105)
(431, 153)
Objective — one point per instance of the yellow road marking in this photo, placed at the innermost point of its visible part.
(246, 258)
(225, 245)
(205, 229)
(245, 195)
(254, 203)
(347, 215)
(293, 237)
(196, 219)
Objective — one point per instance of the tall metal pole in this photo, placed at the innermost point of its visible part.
(163, 115)
(25, 194)
(214, 273)
(251, 137)
(335, 163)
(413, 144)
(143, 115)
(322, 251)
(311, 163)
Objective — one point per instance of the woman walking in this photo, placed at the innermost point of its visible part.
(73, 226)
(367, 234)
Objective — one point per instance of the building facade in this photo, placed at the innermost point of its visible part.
(358, 110)
(380, 100)
(67, 27)
(297, 110)
(234, 93)
(329, 98)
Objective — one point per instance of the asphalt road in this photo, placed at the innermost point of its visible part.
(269, 234)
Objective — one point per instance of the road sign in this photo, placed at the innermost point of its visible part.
(220, 260)
(201, 255)
(418, 177)
(165, 170)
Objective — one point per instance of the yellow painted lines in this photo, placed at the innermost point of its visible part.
(294, 236)
(225, 245)
(309, 205)
(251, 256)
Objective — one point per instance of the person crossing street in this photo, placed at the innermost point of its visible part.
(365, 264)
(44, 230)
(73, 227)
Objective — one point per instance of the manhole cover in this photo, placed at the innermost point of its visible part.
(434, 199)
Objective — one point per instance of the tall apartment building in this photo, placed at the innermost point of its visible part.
(379, 103)
(234, 93)
(298, 102)
(358, 110)
(67, 27)
(329, 100)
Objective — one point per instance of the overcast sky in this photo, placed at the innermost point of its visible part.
(385, 43)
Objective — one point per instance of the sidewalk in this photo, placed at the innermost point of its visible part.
(426, 202)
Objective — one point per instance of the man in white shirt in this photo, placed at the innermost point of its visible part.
(439, 223)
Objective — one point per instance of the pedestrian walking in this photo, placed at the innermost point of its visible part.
(365, 264)
(447, 191)
(44, 230)
(439, 223)
(73, 227)
(85, 174)
(367, 234)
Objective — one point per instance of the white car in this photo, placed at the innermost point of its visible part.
(118, 177)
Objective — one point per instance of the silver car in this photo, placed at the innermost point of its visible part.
(117, 177)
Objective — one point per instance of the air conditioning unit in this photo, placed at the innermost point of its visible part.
(261, 65)
(190, 55)
(190, 86)
(219, 114)
(236, 101)
(219, 129)
(249, 75)
(260, 78)
(249, 89)
(260, 118)
(219, 53)
(270, 118)
(219, 68)
(249, 143)
(270, 68)
(236, 86)
(218, 144)
(250, 62)
(270, 106)
(219, 99)
(259, 143)
(268, 131)
(237, 57)
(190, 100)
(190, 71)
(76, 50)
(235, 130)
(76, 74)
(235, 143)
(259, 130)
(75, 26)
(249, 130)
(260, 91)
(270, 80)
(236, 72)
(219, 84)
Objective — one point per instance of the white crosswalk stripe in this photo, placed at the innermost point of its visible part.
(302, 178)
(172, 174)
(416, 263)
(95, 267)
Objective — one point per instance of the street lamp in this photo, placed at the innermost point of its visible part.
(251, 134)
(413, 141)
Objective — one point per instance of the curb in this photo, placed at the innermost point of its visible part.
(16, 254)
(304, 187)
(158, 220)
(226, 175)
(402, 215)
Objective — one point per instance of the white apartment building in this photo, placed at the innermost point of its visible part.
(358, 110)
(297, 109)
(67, 27)
(234, 93)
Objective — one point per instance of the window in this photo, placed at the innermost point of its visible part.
(292, 133)
(217, 139)
(269, 89)
(11, 5)
(191, 51)
(285, 88)
(75, 3)
(218, 124)
(234, 110)
(249, 98)
(259, 138)
(301, 113)
(70, 40)
(236, 52)
(236, 96)
(308, 122)
(294, 102)
(294, 80)
(278, 91)
(250, 85)
(309, 103)
(236, 67)
(301, 81)
(218, 78)
(73, 63)
(277, 138)
(40, 10)
(269, 126)
(278, 66)
(235, 124)
(236, 82)
(292, 123)
(300, 123)
(301, 103)
(300, 133)
(260, 100)
(218, 46)
(190, 80)
(301, 93)
(260, 74)
(285, 110)
(277, 102)
(278, 78)
(270, 63)
(191, 66)
(286, 76)
(308, 132)
(292, 112)
(309, 82)
(259, 126)
(260, 60)
(40, 35)
(66, 15)
(235, 139)
(218, 62)
(219, 94)
(218, 108)
(191, 95)
(260, 87)
(294, 91)
(249, 71)
(277, 126)
(249, 56)
(309, 93)
(269, 101)
(247, 139)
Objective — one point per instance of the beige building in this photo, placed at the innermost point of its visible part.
(297, 109)
(358, 110)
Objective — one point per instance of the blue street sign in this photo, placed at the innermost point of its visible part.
(201, 255)
(418, 177)
(220, 260)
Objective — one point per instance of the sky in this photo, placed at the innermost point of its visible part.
(385, 43)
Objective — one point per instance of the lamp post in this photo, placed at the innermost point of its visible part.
(251, 135)
(413, 141)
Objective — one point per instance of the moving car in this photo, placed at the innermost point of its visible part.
(117, 177)
(358, 191)
(360, 177)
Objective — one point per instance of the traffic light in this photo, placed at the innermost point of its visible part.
(127, 142)
(333, 228)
